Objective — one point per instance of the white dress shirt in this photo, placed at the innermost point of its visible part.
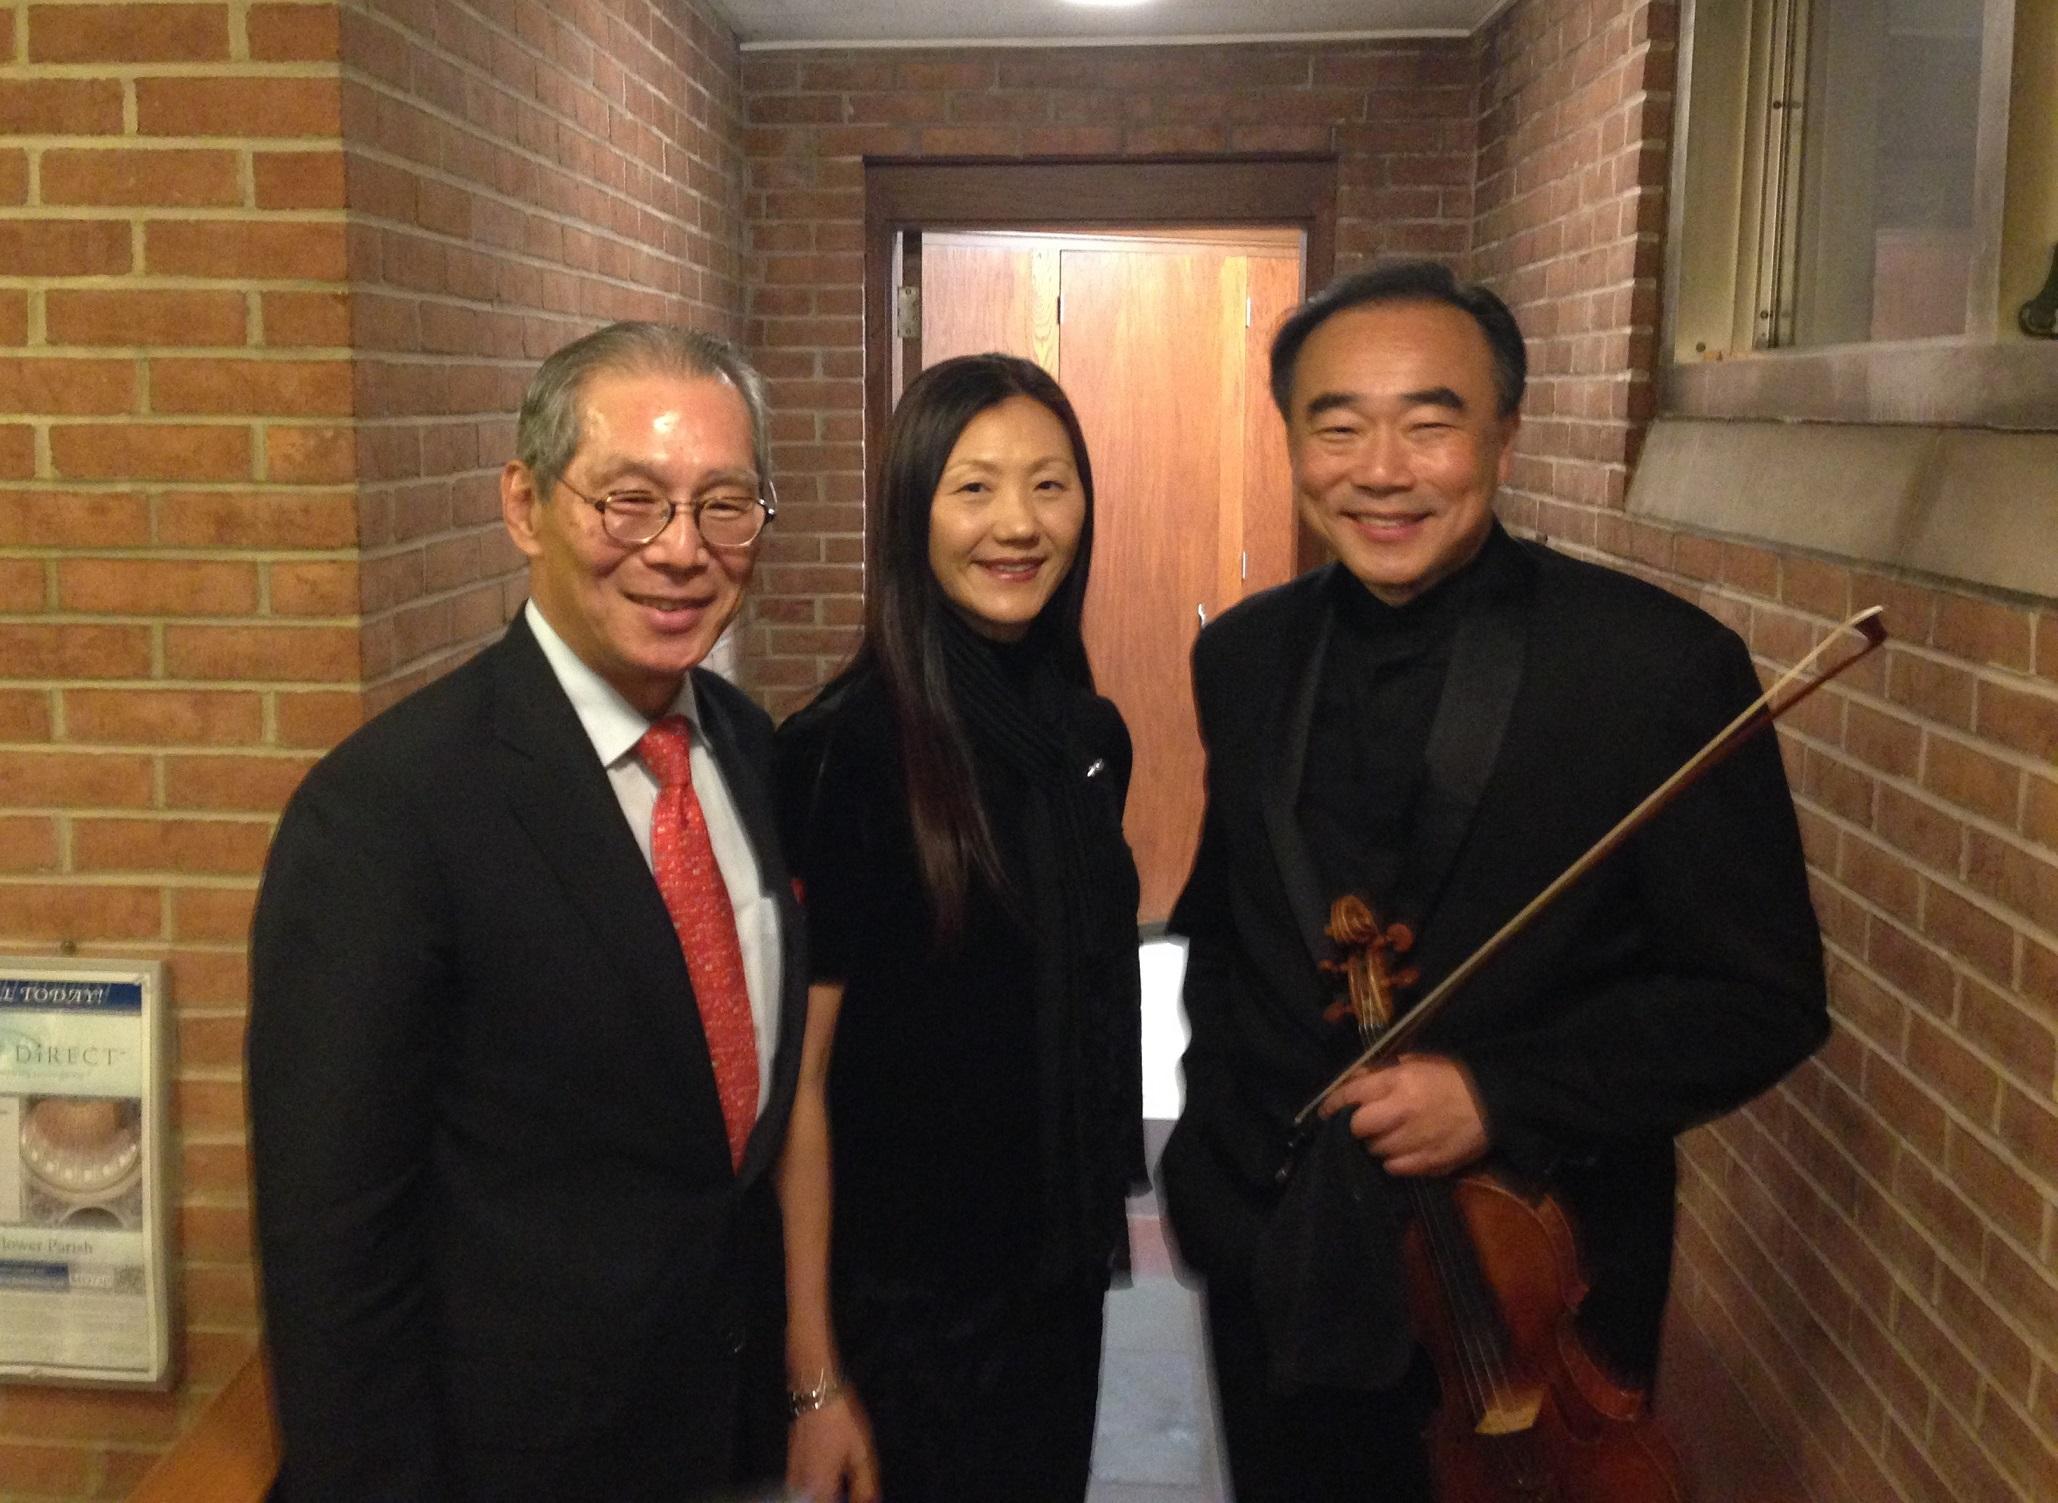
(615, 726)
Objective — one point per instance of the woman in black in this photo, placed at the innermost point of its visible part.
(953, 803)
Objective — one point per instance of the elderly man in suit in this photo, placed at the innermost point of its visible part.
(526, 1001)
(1440, 722)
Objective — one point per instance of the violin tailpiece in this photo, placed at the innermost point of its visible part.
(1510, 1412)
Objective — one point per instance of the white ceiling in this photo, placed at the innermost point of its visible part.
(878, 23)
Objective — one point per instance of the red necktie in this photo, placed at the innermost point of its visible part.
(683, 859)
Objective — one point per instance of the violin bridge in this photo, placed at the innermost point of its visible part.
(1510, 1412)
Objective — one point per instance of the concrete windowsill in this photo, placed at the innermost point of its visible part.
(1941, 383)
(1960, 504)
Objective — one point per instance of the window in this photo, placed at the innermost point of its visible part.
(1871, 134)
(1831, 171)
(1861, 203)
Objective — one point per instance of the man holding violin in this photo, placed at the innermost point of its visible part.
(1439, 723)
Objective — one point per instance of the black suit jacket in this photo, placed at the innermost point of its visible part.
(1674, 982)
(504, 1253)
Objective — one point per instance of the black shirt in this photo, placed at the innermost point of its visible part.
(935, 1097)
(1382, 677)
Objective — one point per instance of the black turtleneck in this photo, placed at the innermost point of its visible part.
(980, 1086)
(1381, 678)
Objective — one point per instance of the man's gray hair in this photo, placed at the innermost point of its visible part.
(547, 431)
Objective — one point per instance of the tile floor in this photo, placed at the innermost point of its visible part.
(1155, 1441)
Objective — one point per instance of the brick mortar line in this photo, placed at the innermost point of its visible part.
(405, 547)
(241, 145)
(1794, 1363)
(1936, 803)
(128, 71)
(392, 613)
(2022, 925)
(1715, 1293)
(130, 683)
(194, 816)
(158, 489)
(228, 685)
(159, 282)
(599, 231)
(2038, 1175)
(1932, 1308)
(398, 292)
(2018, 680)
(1716, 1347)
(70, 618)
(366, 356)
(183, 420)
(151, 880)
(302, 353)
(157, 816)
(352, 73)
(181, 554)
(141, 215)
(2036, 1341)
(1972, 1281)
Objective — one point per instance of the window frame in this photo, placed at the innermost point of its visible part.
(1983, 377)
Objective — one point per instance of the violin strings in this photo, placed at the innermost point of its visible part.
(1478, 1339)
(1482, 1351)
(1481, 1320)
(1476, 1364)
(1473, 1321)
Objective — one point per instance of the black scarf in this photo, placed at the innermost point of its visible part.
(1074, 895)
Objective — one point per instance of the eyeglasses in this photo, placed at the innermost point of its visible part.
(729, 518)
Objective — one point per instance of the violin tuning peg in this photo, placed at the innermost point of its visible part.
(1401, 937)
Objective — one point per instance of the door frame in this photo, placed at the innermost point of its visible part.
(1080, 193)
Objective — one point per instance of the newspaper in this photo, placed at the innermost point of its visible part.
(84, 1228)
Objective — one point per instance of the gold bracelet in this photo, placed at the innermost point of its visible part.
(826, 1390)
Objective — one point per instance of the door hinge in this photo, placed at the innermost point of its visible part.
(1061, 310)
(907, 313)
(1246, 313)
(1245, 570)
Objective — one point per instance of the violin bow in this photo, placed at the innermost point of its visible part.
(1788, 690)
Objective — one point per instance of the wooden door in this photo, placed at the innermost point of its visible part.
(982, 293)
(1269, 528)
(1142, 353)
(1163, 350)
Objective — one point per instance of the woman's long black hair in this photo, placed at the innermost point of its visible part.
(905, 612)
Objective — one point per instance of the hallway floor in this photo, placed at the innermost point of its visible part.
(1155, 1442)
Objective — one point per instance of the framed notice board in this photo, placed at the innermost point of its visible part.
(85, 1223)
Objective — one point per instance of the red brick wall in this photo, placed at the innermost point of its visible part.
(1867, 1289)
(175, 579)
(517, 174)
(271, 278)
(1398, 117)
(1574, 113)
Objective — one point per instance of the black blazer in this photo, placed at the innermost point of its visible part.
(1676, 981)
(504, 1253)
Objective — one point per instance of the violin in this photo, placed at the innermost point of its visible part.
(1494, 1288)
(1494, 1285)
